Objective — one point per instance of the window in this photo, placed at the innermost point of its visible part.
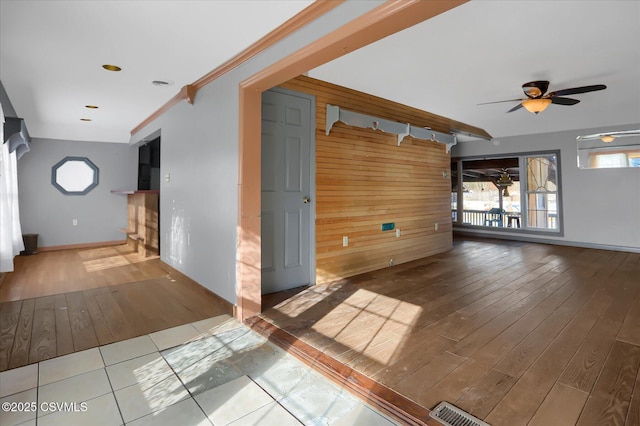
(516, 192)
(454, 192)
(74, 175)
(607, 161)
(542, 191)
(621, 151)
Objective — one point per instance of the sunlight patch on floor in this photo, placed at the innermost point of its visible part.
(370, 322)
(159, 394)
(102, 264)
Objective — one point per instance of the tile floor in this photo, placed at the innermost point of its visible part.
(212, 372)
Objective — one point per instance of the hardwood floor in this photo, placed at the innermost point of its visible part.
(514, 333)
(79, 299)
(63, 271)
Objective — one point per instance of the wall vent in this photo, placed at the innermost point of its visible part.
(453, 416)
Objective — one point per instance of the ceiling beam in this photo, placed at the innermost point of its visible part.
(491, 163)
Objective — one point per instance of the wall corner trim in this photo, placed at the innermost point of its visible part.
(188, 92)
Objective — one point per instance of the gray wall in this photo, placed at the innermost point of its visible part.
(601, 206)
(46, 211)
(199, 205)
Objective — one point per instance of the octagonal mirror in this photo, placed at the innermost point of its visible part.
(74, 175)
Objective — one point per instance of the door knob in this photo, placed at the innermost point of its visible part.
(306, 200)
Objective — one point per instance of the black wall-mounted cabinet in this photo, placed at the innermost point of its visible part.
(149, 165)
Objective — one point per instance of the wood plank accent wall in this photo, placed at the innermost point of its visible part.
(363, 179)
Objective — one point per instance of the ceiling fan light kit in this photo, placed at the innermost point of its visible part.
(536, 105)
(535, 89)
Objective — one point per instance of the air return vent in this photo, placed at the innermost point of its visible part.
(452, 416)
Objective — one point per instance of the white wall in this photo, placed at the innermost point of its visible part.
(601, 206)
(199, 149)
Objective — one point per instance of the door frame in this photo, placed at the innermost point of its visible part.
(312, 176)
(386, 19)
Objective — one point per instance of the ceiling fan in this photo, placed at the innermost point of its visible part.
(538, 100)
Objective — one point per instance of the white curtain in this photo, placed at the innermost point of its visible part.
(10, 232)
(611, 160)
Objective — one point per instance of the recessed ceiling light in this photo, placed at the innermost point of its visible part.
(162, 83)
(91, 106)
(85, 119)
(109, 67)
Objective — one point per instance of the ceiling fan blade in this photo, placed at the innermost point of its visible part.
(563, 101)
(515, 108)
(576, 90)
(499, 102)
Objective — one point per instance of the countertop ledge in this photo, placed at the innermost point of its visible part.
(134, 191)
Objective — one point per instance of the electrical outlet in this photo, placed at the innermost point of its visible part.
(75, 222)
(345, 241)
(436, 226)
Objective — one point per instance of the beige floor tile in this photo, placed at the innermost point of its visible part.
(144, 371)
(101, 411)
(127, 349)
(77, 389)
(317, 400)
(175, 336)
(216, 324)
(232, 400)
(135, 402)
(270, 414)
(18, 414)
(18, 380)
(207, 374)
(222, 355)
(185, 412)
(63, 367)
(362, 415)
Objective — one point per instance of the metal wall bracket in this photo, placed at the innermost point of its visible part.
(356, 119)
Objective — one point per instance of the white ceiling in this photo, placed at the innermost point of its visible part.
(52, 52)
(482, 51)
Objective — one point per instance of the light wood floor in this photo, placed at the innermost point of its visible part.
(57, 303)
(62, 271)
(514, 333)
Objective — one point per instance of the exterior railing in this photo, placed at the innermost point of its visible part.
(504, 220)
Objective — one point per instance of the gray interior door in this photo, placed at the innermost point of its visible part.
(286, 191)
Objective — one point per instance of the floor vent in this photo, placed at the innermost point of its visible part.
(453, 416)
